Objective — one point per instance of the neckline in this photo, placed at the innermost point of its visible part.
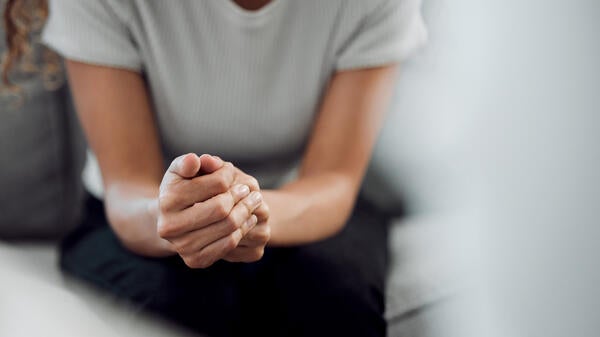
(249, 13)
(235, 3)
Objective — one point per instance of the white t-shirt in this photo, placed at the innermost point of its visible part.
(244, 85)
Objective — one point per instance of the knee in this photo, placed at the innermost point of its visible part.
(333, 278)
(330, 294)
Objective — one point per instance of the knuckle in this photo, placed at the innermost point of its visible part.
(253, 183)
(166, 201)
(181, 246)
(256, 254)
(267, 234)
(221, 210)
(231, 222)
(230, 170)
(204, 264)
(262, 212)
(196, 264)
(224, 205)
(265, 210)
(165, 229)
(199, 261)
(222, 182)
(188, 261)
(244, 210)
(260, 235)
(230, 243)
(264, 235)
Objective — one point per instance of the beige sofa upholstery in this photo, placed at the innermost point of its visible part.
(37, 300)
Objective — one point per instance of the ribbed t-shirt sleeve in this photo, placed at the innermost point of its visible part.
(91, 32)
(390, 33)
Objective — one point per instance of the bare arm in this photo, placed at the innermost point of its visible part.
(114, 110)
(200, 208)
(318, 203)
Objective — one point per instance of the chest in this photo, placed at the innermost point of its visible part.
(233, 84)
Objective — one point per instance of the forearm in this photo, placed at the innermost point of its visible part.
(310, 209)
(132, 213)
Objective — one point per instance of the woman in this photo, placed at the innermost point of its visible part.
(258, 86)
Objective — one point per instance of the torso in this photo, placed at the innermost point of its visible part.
(256, 77)
(240, 79)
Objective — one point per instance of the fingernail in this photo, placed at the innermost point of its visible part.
(241, 190)
(255, 198)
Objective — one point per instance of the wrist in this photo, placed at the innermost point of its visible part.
(159, 247)
(136, 228)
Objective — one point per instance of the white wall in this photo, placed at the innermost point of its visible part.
(540, 168)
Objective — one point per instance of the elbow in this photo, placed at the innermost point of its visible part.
(342, 218)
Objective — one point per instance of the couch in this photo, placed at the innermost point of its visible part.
(37, 300)
(412, 165)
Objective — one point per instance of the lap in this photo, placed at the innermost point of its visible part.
(336, 286)
(349, 266)
(203, 299)
(360, 248)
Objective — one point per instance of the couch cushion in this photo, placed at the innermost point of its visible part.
(41, 154)
(423, 266)
(33, 289)
(421, 273)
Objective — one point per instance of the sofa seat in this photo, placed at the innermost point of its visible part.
(36, 299)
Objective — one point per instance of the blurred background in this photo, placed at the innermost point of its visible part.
(525, 81)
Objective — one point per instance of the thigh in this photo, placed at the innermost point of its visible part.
(336, 286)
(205, 300)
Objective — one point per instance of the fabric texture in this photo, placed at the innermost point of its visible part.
(332, 287)
(42, 152)
(244, 85)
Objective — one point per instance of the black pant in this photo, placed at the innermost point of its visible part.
(333, 287)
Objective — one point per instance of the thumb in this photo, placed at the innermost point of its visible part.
(186, 166)
(210, 163)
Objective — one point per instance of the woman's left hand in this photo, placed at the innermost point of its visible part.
(252, 246)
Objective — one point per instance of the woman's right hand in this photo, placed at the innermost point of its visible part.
(205, 216)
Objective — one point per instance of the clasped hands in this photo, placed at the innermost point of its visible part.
(211, 210)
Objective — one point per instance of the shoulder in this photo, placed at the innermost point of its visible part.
(95, 32)
(352, 7)
(365, 8)
(118, 9)
(355, 13)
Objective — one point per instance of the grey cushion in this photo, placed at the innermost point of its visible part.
(422, 265)
(31, 286)
(413, 172)
(41, 155)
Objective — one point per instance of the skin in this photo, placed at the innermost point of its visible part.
(205, 209)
